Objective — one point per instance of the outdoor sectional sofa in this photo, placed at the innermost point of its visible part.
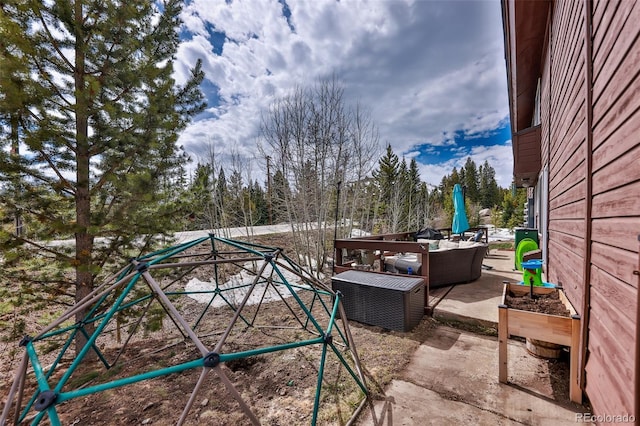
(449, 262)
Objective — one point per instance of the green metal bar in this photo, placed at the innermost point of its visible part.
(175, 250)
(204, 311)
(37, 368)
(214, 252)
(95, 349)
(57, 332)
(217, 292)
(236, 244)
(332, 320)
(94, 319)
(65, 347)
(66, 396)
(342, 360)
(96, 333)
(334, 312)
(270, 349)
(316, 402)
(43, 385)
(361, 385)
(75, 326)
(250, 244)
(53, 417)
(300, 302)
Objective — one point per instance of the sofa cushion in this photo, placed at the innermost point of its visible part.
(470, 244)
(433, 244)
(446, 244)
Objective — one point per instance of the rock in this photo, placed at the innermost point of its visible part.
(204, 402)
(485, 212)
(146, 421)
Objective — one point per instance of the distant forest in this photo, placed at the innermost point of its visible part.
(89, 152)
(391, 199)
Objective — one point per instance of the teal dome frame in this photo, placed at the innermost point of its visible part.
(127, 289)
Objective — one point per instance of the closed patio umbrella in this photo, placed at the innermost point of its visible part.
(460, 223)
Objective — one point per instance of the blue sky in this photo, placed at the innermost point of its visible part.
(431, 73)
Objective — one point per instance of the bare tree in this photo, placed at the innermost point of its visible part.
(316, 141)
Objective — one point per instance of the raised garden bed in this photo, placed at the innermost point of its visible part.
(519, 315)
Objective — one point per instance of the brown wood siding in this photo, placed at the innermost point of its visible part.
(590, 133)
(617, 89)
(607, 391)
(545, 104)
(567, 184)
(615, 204)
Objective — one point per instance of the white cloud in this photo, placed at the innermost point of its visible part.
(425, 69)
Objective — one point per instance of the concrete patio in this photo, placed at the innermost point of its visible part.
(452, 378)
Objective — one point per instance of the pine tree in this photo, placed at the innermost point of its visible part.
(220, 199)
(414, 202)
(234, 202)
(387, 173)
(280, 193)
(201, 203)
(470, 181)
(99, 117)
(489, 191)
(259, 204)
(446, 192)
(386, 178)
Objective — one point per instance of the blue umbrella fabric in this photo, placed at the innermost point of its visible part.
(460, 223)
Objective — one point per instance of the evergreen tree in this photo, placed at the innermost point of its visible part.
(98, 112)
(386, 178)
(259, 204)
(221, 197)
(234, 202)
(414, 201)
(280, 193)
(489, 191)
(470, 181)
(201, 202)
(512, 204)
(387, 173)
(446, 192)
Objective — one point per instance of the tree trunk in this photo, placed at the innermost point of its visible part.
(84, 241)
(15, 154)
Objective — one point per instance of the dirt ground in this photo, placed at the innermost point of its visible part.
(280, 387)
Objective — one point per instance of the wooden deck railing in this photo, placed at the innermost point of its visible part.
(389, 244)
(381, 245)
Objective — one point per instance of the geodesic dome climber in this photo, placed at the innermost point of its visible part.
(234, 323)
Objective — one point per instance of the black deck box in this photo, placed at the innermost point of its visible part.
(384, 300)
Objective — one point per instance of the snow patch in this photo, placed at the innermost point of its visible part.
(238, 285)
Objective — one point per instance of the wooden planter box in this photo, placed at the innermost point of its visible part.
(545, 327)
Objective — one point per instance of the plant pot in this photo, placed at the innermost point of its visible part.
(542, 349)
(541, 327)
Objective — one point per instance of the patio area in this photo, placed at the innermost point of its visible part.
(452, 377)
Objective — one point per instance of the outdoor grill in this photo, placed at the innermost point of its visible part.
(389, 301)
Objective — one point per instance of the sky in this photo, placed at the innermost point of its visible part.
(431, 73)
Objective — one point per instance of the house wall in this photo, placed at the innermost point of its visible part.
(591, 145)
(567, 158)
(615, 204)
